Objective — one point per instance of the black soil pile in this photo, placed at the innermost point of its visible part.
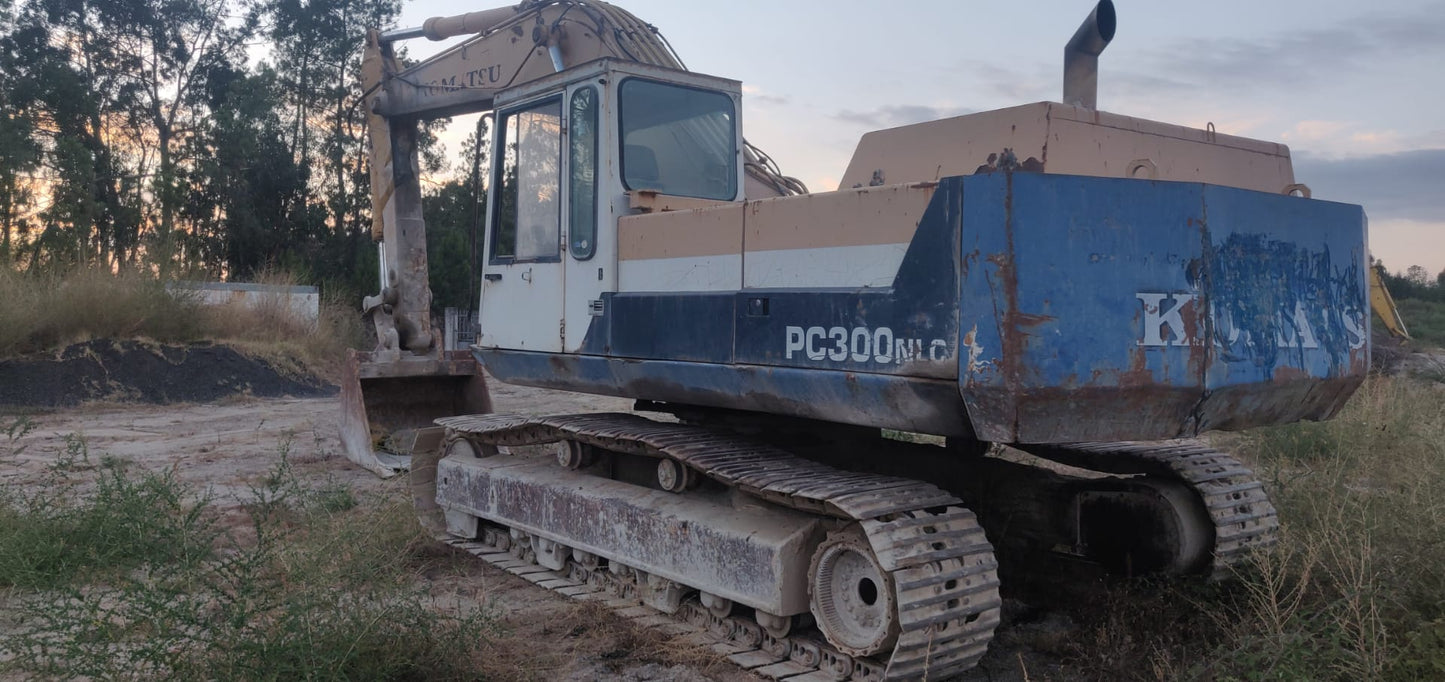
(128, 371)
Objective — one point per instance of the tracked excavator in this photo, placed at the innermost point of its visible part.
(1089, 288)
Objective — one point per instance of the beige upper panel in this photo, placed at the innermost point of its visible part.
(1057, 138)
(851, 238)
(711, 231)
(861, 217)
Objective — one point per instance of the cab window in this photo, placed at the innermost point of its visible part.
(582, 171)
(678, 140)
(529, 201)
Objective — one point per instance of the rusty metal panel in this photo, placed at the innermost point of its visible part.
(1099, 309)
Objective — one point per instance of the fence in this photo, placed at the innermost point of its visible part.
(460, 329)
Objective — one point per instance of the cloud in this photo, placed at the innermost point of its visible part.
(1345, 138)
(753, 93)
(1301, 57)
(1399, 186)
(893, 116)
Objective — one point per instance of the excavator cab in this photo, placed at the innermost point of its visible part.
(573, 153)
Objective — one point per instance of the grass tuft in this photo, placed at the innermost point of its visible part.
(316, 588)
(1354, 590)
(120, 523)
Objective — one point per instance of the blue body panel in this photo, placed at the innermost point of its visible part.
(1028, 308)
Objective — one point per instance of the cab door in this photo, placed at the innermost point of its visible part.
(523, 277)
(591, 255)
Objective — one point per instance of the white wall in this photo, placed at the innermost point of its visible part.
(304, 301)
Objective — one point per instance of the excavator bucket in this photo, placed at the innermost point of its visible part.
(388, 406)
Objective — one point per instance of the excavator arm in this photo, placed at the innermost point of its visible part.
(1384, 306)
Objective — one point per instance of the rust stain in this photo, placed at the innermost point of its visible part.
(1011, 358)
(1138, 373)
(1285, 374)
(1359, 360)
(1032, 320)
(1195, 319)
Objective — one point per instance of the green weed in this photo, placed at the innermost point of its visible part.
(317, 589)
(59, 532)
(1425, 320)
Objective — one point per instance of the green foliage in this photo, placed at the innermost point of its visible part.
(136, 134)
(451, 213)
(1425, 319)
(1424, 653)
(1353, 589)
(121, 523)
(309, 589)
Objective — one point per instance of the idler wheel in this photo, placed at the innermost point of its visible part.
(852, 596)
(574, 455)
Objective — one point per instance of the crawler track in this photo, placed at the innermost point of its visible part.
(942, 568)
(1244, 519)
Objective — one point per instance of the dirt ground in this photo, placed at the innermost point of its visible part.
(135, 371)
(225, 448)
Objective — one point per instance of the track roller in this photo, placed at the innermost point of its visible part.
(673, 476)
(776, 626)
(574, 455)
(715, 605)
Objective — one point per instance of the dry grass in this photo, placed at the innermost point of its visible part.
(1356, 590)
(47, 312)
(270, 329)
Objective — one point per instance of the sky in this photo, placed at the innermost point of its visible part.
(1356, 91)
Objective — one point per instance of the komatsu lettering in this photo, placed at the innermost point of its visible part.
(861, 344)
(1177, 320)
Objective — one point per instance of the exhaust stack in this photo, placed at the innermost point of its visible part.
(1081, 56)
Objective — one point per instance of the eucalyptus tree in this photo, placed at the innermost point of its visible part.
(316, 47)
(19, 150)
